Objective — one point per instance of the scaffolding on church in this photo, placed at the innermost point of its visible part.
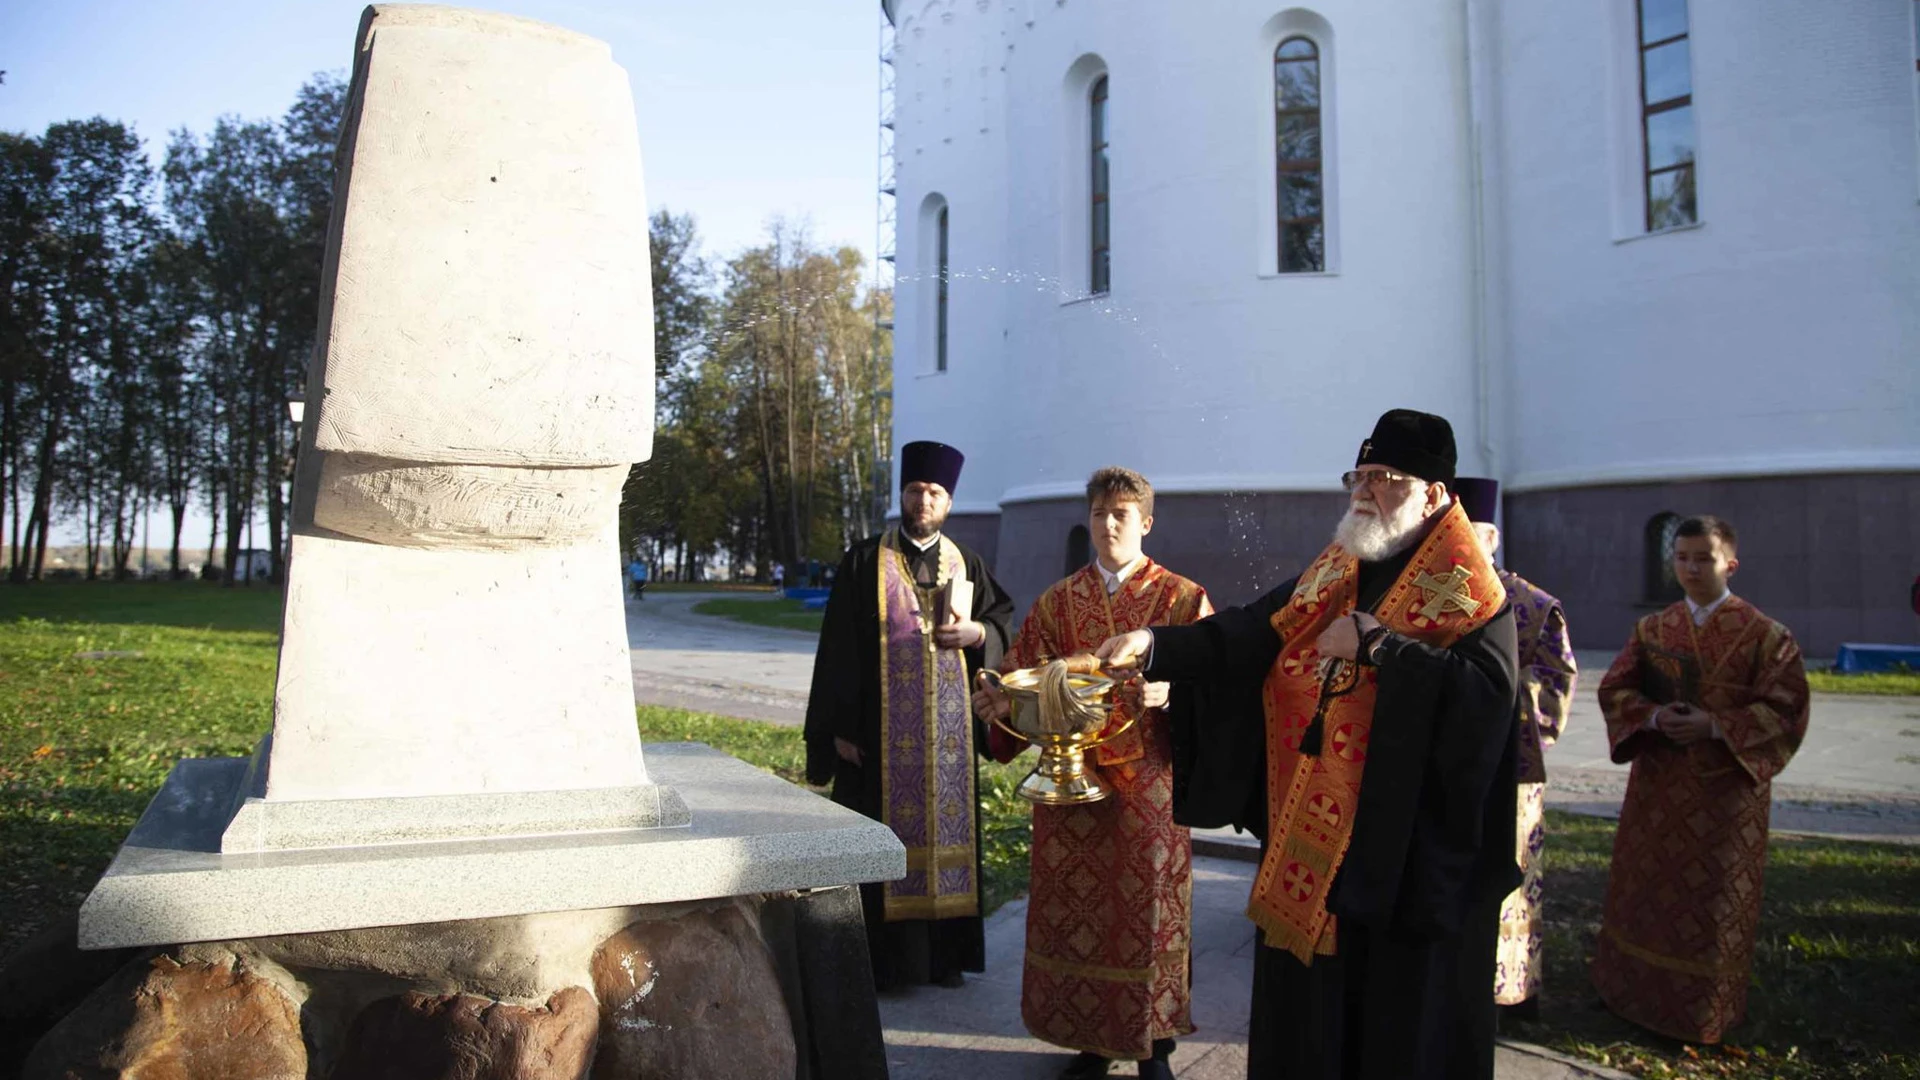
(886, 232)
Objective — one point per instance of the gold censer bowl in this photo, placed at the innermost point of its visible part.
(1065, 714)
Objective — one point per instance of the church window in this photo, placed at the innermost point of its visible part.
(1666, 114)
(1658, 585)
(1101, 226)
(1301, 173)
(1079, 549)
(940, 294)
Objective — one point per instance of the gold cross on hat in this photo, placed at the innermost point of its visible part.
(1366, 449)
(1449, 592)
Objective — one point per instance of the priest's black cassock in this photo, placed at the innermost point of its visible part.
(845, 703)
(1417, 896)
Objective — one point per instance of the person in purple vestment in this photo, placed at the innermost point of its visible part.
(912, 617)
(1547, 673)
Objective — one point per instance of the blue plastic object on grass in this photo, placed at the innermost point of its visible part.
(1855, 657)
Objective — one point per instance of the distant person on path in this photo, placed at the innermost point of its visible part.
(1708, 701)
(779, 576)
(890, 724)
(1547, 673)
(637, 573)
(1110, 915)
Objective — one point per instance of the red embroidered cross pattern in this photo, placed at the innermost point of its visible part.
(1324, 810)
(1350, 742)
(1298, 881)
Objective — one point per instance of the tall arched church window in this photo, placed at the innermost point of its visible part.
(940, 294)
(1079, 549)
(1666, 114)
(1100, 278)
(1302, 178)
(1658, 584)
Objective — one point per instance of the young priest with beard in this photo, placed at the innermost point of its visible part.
(897, 655)
(1360, 718)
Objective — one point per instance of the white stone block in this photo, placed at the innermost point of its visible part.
(490, 300)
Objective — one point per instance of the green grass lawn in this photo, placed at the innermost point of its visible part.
(1889, 683)
(1836, 974)
(85, 740)
(783, 613)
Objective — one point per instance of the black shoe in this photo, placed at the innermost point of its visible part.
(952, 980)
(1085, 1066)
(1156, 1067)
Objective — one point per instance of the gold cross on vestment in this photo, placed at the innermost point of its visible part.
(1329, 571)
(1447, 593)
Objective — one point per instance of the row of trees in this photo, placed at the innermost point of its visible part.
(775, 406)
(153, 326)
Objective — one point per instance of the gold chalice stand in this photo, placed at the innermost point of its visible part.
(1065, 713)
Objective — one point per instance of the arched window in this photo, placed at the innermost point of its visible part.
(1658, 585)
(1101, 277)
(1079, 549)
(1666, 114)
(940, 294)
(1301, 179)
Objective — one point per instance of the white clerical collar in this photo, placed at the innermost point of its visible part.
(922, 545)
(1112, 580)
(1702, 613)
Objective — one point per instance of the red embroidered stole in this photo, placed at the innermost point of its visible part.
(926, 747)
(1448, 590)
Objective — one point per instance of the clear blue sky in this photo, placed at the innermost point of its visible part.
(747, 109)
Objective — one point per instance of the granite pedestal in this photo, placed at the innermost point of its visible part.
(375, 931)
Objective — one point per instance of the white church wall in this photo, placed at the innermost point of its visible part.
(1194, 338)
(950, 150)
(1779, 335)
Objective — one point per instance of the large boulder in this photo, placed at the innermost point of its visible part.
(689, 998)
(462, 1037)
(202, 1020)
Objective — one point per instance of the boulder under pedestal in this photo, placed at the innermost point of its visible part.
(731, 947)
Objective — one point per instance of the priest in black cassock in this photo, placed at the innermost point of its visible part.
(1360, 720)
(912, 617)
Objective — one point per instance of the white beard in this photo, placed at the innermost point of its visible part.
(1371, 538)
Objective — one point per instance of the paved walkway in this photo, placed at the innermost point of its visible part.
(716, 665)
(975, 1031)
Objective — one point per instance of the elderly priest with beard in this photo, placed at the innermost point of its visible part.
(1360, 719)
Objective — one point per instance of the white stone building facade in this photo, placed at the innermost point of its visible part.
(1651, 257)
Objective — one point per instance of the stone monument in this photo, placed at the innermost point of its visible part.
(450, 856)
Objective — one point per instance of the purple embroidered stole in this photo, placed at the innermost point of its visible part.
(926, 748)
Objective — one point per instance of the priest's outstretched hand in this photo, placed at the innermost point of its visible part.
(1128, 650)
(989, 702)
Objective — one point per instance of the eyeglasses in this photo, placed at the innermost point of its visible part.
(1353, 479)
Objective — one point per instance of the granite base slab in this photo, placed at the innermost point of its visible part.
(751, 832)
(261, 824)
